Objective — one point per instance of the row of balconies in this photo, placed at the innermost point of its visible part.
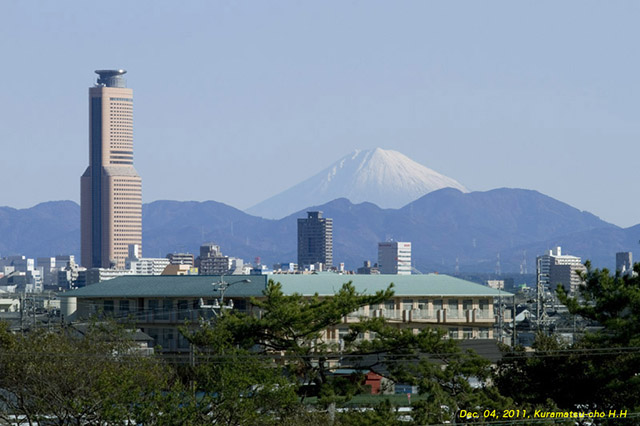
(176, 316)
(437, 316)
(413, 315)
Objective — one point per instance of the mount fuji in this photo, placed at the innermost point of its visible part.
(386, 178)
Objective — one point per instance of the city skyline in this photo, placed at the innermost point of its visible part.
(532, 96)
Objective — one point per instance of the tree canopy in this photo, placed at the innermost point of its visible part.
(288, 337)
(601, 369)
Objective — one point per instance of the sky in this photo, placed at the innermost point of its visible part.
(237, 101)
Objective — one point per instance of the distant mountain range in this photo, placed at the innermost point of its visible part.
(44, 230)
(386, 178)
(443, 226)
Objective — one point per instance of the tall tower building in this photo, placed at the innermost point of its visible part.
(315, 240)
(111, 190)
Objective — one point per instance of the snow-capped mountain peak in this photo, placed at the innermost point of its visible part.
(383, 177)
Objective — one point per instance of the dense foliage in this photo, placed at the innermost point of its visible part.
(67, 377)
(288, 338)
(601, 370)
(277, 366)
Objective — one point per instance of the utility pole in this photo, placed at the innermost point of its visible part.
(21, 314)
(218, 305)
(514, 339)
(500, 315)
(49, 316)
(33, 309)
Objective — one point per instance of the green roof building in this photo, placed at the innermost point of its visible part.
(160, 304)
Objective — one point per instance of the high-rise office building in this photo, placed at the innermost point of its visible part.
(394, 258)
(111, 190)
(315, 240)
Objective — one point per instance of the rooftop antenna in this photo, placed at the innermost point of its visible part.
(498, 271)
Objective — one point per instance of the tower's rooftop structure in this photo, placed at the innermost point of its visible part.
(111, 78)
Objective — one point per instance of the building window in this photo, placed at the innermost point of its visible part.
(183, 309)
(483, 333)
(240, 304)
(423, 307)
(169, 338)
(124, 306)
(453, 333)
(452, 311)
(108, 306)
(467, 333)
(153, 308)
(483, 308)
(407, 304)
(167, 308)
(467, 304)
(183, 343)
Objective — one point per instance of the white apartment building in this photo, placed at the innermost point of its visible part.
(144, 265)
(554, 268)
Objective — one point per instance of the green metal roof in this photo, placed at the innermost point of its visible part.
(172, 286)
(132, 286)
(404, 285)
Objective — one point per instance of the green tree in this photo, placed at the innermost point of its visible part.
(601, 370)
(609, 358)
(72, 379)
(231, 385)
(287, 338)
(293, 325)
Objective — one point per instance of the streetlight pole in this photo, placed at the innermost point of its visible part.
(222, 287)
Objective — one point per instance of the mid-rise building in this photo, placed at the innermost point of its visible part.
(624, 262)
(23, 272)
(181, 259)
(18, 263)
(111, 190)
(212, 262)
(50, 268)
(236, 265)
(496, 284)
(147, 265)
(554, 269)
(287, 267)
(144, 265)
(394, 258)
(368, 269)
(68, 276)
(315, 240)
(215, 265)
(209, 250)
(96, 275)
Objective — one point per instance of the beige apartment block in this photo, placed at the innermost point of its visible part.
(111, 189)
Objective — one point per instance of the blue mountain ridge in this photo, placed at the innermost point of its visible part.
(443, 226)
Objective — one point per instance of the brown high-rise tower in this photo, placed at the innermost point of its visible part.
(111, 190)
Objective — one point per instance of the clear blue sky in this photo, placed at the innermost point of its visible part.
(236, 101)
